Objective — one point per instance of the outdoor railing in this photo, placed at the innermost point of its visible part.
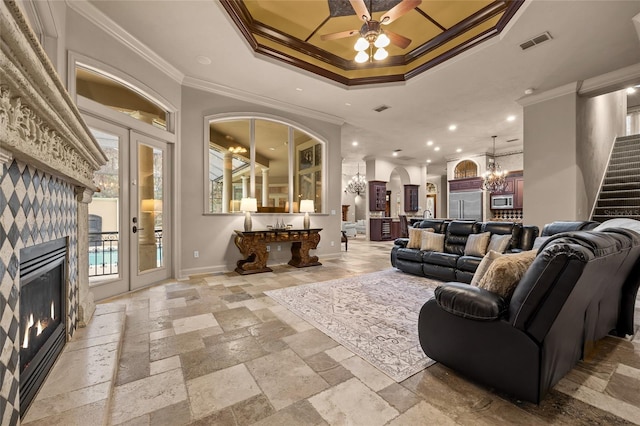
(103, 252)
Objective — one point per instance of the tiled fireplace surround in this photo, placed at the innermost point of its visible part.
(47, 159)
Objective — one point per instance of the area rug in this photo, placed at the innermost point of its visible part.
(373, 315)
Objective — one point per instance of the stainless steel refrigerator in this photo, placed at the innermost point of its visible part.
(465, 205)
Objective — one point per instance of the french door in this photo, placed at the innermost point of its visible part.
(129, 219)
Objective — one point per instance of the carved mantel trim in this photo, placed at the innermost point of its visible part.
(39, 123)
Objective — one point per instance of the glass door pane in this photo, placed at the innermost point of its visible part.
(150, 202)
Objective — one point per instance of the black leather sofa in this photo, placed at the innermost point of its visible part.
(452, 264)
(581, 286)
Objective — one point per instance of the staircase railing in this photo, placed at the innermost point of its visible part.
(604, 176)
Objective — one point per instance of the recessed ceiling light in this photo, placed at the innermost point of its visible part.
(347, 104)
(453, 127)
(204, 60)
(428, 161)
(437, 148)
(298, 89)
(354, 143)
(272, 149)
(529, 91)
(459, 150)
(395, 154)
(429, 143)
(511, 118)
(631, 90)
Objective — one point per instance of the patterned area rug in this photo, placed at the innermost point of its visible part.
(373, 315)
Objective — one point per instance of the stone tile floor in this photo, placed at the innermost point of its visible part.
(214, 350)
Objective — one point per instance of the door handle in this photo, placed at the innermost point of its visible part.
(136, 229)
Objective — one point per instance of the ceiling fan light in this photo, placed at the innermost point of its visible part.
(380, 54)
(361, 44)
(362, 57)
(382, 41)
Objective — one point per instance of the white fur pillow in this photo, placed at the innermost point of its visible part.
(483, 267)
(505, 273)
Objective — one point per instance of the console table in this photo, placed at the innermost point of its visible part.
(253, 246)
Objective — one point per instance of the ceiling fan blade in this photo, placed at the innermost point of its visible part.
(341, 34)
(399, 10)
(361, 9)
(400, 41)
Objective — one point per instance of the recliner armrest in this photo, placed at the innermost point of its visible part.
(402, 242)
(470, 302)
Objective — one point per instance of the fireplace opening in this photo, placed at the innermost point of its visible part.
(42, 314)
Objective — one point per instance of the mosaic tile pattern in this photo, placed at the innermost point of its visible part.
(507, 214)
(35, 207)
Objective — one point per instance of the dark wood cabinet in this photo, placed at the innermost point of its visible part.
(380, 229)
(467, 184)
(411, 198)
(377, 195)
(518, 194)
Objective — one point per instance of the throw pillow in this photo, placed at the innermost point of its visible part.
(505, 273)
(477, 244)
(432, 242)
(499, 243)
(415, 237)
(483, 267)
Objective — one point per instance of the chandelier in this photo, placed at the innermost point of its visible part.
(494, 177)
(357, 184)
(371, 35)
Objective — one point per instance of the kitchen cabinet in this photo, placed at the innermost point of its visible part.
(518, 195)
(380, 229)
(411, 198)
(377, 195)
(467, 184)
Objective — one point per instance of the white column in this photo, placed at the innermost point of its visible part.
(86, 305)
(265, 187)
(227, 184)
(245, 186)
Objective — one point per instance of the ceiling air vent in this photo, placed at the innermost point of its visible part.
(536, 40)
(381, 108)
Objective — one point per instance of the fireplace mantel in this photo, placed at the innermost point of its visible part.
(47, 159)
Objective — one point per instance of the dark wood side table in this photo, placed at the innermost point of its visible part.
(253, 246)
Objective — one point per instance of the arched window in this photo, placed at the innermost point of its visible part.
(465, 169)
(263, 158)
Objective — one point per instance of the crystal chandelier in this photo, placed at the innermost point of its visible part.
(357, 184)
(494, 177)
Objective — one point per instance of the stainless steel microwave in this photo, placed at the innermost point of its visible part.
(504, 201)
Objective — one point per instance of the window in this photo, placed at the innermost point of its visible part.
(465, 169)
(264, 158)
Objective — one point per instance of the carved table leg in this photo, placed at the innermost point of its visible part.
(300, 251)
(255, 254)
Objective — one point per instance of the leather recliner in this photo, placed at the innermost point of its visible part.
(581, 286)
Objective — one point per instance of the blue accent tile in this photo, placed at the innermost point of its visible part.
(25, 234)
(26, 205)
(14, 204)
(36, 180)
(13, 298)
(26, 177)
(14, 172)
(13, 235)
(13, 266)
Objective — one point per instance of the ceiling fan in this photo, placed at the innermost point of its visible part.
(371, 32)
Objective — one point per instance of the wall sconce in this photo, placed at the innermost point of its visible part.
(248, 205)
(306, 207)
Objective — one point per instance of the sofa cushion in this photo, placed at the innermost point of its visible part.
(457, 233)
(470, 302)
(505, 273)
(415, 237)
(483, 267)
(499, 243)
(567, 226)
(477, 244)
(440, 226)
(514, 230)
(432, 242)
(539, 241)
(624, 223)
(468, 263)
(409, 254)
(439, 258)
(443, 273)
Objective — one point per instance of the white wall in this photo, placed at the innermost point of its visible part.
(212, 235)
(550, 169)
(600, 120)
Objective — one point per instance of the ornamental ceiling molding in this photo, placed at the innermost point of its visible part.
(39, 123)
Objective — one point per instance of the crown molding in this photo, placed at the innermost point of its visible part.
(102, 21)
(219, 89)
(549, 94)
(611, 81)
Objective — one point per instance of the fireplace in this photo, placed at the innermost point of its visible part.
(42, 313)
